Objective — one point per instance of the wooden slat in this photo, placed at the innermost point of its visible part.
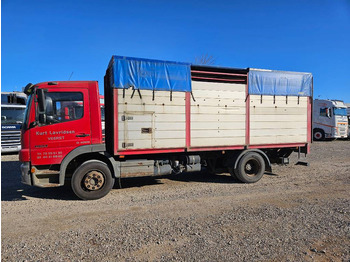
(217, 118)
(158, 126)
(152, 108)
(278, 111)
(277, 118)
(232, 141)
(277, 132)
(136, 135)
(217, 86)
(218, 94)
(217, 133)
(218, 110)
(278, 125)
(232, 125)
(278, 139)
(218, 102)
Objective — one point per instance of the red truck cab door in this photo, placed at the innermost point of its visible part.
(66, 125)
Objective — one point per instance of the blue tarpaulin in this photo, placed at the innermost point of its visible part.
(270, 82)
(149, 74)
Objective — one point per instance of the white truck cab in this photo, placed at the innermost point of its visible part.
(348, 115)
(329, 119)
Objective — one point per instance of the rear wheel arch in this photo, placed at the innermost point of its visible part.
(250, 167)
(263, 155)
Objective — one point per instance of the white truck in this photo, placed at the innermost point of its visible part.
(329, 119)
(13, 105)
(348, 115)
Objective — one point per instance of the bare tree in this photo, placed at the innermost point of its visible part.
(204, 60)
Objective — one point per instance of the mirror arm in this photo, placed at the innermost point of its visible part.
(33, 124)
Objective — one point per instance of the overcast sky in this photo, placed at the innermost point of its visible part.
(57, 40)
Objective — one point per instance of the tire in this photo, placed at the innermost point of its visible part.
(92, 180)
(318, 134)
(250, 168)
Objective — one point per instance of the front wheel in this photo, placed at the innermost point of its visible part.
(92, 180)
(250, 168)
(318, 134)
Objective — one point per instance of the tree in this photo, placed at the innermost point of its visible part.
(204, 59)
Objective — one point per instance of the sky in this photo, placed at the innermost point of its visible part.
(49, 40)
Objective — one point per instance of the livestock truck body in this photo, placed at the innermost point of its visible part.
(163, 118)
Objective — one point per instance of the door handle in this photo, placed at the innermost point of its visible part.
(82, 135)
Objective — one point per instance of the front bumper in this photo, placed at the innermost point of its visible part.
(25, 175)
(10, 149)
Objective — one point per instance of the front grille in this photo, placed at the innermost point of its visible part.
(10, 138)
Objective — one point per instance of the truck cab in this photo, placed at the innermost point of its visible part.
(60, 117)
(329, 119)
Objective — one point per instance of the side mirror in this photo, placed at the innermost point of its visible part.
(41, 106)
(328, 112)
(41, 101)
(28, 90)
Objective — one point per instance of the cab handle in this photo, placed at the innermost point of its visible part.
(82, 135)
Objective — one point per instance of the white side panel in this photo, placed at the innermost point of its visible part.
(217, 114)
(146, 122)
(278, 120)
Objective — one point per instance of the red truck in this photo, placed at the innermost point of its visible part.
(163, 118)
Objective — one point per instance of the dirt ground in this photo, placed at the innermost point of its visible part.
(296, 213)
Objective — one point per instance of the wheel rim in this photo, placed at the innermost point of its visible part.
(93, 181)
(318, 135)
(252, 167)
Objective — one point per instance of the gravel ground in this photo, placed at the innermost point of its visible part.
(297, 213)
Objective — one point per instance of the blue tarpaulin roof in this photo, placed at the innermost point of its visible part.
(271, 82)
(149, 74)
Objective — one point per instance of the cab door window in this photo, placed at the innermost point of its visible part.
(326, 112)
(63, 107)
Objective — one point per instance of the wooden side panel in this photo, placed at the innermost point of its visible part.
(278, 120)
(151, 122)
(217, 114)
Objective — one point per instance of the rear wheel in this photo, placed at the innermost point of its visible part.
(250, 168)
(92, 180)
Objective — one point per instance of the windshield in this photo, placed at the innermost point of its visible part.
(102, 113)
(12, 115)
(339, 111)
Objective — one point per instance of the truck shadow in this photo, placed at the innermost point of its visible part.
(13, 190)
(204, 177)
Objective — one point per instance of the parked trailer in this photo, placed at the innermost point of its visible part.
(329, 119)
(164, 118)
